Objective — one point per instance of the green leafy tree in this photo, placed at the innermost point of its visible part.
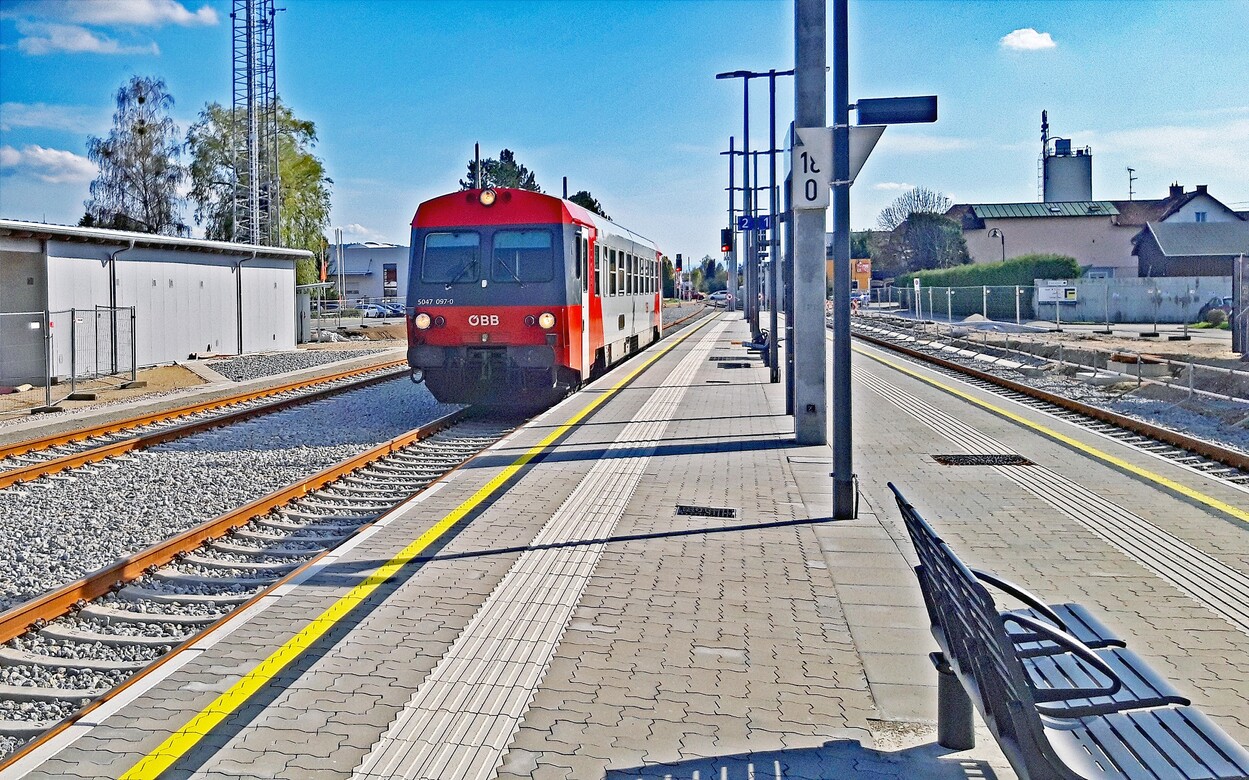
(139, 168)
(709, 266)
(923, 241)
(304, 187)
(585, 200)
(503, 172)
(860, 244)
(669, 278)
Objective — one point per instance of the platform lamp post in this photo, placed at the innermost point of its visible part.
(997, 233)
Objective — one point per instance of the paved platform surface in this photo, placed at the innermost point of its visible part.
(578, 626)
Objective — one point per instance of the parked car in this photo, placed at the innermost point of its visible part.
(719, 298)
(862, 296)
(396, 309)
(374, 310)
(1222, 303)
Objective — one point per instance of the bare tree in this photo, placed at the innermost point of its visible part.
(920, 200)
(137, 186)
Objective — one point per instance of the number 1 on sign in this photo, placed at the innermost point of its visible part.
(810, 177)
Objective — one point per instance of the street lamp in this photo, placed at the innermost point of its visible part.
(997, 233)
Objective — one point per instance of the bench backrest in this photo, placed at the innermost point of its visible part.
(974, 637)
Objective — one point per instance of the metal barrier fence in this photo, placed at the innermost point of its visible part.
(46, 349)
(1013, 303)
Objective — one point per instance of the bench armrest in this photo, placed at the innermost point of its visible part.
(1010, 588)
(1077, 648)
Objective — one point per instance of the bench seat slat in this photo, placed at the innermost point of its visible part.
(1142, 686)
(1079, 621)
(1171, 743)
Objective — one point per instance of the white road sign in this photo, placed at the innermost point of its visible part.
(812, 167)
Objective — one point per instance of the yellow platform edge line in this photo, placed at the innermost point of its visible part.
(201, 725)
(1170, 484)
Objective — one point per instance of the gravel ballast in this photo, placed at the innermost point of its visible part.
(59, 529)
(245, 367)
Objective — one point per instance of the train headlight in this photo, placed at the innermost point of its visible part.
(546, 320)
(487, 197)
(421, 321)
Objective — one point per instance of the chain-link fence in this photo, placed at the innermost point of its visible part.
(51, 349)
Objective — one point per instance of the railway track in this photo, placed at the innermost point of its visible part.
(31, 459)
(72, 649)
(1224, 464)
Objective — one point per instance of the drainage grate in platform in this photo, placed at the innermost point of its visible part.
(982, 460)
(716, 381)
(723, 358)
(705, 511)
(735, 365)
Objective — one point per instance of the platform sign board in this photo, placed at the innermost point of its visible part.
(813, 167)
(1055, 291)
(762, 222)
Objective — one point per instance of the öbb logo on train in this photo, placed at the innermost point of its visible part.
(483, 320)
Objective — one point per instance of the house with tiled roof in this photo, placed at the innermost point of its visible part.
(1099, 234)
(1191, 248)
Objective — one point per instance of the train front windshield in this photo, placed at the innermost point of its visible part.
(512, 256)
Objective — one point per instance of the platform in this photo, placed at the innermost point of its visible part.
(550, 612)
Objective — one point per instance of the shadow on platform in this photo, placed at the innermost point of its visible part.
(843, 758)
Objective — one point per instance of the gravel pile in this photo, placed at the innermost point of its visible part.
(265, 364)
(58, 530)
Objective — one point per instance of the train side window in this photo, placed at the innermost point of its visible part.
(598, 270)
(611, 253)
(580, 262)
(582, 271)
(629, 274)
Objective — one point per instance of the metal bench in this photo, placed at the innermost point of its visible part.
(1058, 708)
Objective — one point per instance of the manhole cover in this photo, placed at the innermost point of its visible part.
(982, 460)
(705, 511)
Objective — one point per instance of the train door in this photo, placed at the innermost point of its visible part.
(583, 265)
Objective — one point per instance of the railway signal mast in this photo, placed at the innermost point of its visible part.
(254, 126)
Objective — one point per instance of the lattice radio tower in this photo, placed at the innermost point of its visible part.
(255, 124)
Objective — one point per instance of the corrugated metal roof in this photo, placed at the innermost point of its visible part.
(1074, 208)
(14, 227)
(1184, 239)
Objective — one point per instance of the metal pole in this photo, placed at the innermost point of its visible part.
(774, 335)
(73, 352)
(931, 316)
(810, 357)
(1058, 318)
(134, 353)
(843, 463)
(47, 358)
(984, 302)
(748, 199)
(949, 307)
(789, 298)
(732, 261)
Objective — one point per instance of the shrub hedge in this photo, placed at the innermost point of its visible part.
(1020, 270)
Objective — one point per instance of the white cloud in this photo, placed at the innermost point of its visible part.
(357, 230)
(1183, 152)
(893, 186)
(147, 13)
(139, 13)
(53, 166)
(41, 38)
(1027, 39)
(73, 119)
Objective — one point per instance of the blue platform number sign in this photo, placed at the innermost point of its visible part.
(743, 223)
(754, 223)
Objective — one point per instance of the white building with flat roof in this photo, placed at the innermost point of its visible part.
(189, 296)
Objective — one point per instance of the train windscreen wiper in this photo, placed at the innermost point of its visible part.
(471, 262)
(499, 260)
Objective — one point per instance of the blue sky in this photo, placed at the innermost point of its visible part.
(620, 96)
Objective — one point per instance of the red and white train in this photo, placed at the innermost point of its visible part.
(516, 296)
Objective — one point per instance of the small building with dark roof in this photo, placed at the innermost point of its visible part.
(1190, 248)
(1099, 234)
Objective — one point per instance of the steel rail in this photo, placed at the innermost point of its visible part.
(54, 604)
(1224, 455)
(32, 445)
(95, 454)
